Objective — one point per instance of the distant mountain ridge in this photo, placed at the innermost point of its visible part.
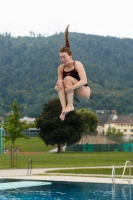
(28, 71)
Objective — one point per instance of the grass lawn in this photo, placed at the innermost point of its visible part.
(106, 171)
(64, 159)
(34, 144)
(49, 160)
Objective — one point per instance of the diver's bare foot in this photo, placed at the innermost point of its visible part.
(62, 116)
(68, 109)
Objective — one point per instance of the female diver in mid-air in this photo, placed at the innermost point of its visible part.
(72, 80)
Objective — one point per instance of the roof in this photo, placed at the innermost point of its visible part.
(121, 119)
(103, 118)
(28, 120)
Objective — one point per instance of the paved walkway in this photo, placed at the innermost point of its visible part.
(36, 174)
(23, 172)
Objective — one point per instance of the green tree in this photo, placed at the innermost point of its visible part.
(31, 125)
(90, 119)
(114, 134)
(14, 127)
(54, 131)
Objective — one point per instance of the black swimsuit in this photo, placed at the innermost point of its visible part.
(72, 73)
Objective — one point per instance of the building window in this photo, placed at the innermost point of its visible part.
(131, 130)
(125, 130)
(121, 124)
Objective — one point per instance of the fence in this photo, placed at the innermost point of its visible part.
(100, 143)
(31, 132)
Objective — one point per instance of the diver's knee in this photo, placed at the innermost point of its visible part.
(67, 78)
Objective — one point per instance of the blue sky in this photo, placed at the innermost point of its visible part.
(98, 17)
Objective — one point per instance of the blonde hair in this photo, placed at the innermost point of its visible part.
(66, 47)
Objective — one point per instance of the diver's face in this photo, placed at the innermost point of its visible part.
(65, 58)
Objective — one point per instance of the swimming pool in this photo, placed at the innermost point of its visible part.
(62, 190)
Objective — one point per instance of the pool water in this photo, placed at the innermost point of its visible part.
(59, 190)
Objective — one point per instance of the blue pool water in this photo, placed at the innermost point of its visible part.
(58, 190)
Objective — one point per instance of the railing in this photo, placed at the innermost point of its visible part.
(29, 167)
(113, 174)
(129, 180)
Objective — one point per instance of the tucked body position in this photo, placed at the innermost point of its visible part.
(72, 81)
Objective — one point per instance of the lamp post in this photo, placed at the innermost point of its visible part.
(1, 140)
(2, 133)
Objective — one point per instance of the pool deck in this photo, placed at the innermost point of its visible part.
(22, 174)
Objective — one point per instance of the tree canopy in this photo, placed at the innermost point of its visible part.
(28, 71)
(90, 119)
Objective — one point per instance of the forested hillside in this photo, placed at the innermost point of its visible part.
(28, 71)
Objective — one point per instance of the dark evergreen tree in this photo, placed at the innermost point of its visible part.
(54, 131)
